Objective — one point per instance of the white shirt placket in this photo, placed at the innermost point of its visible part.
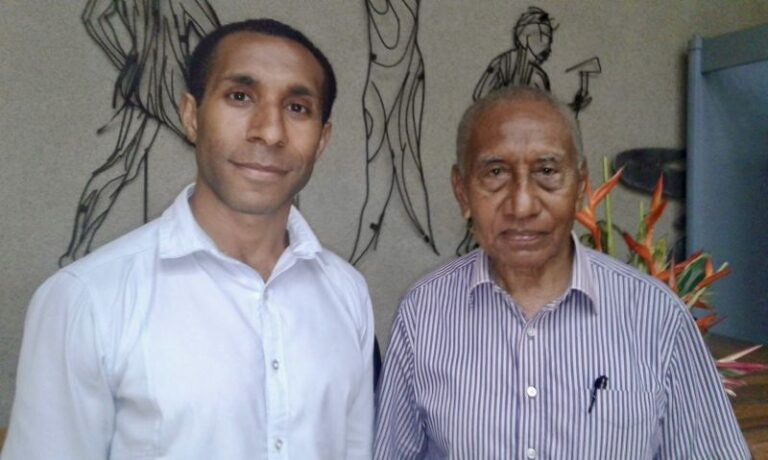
(275, 381)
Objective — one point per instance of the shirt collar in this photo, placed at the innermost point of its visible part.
(481, 270)
(180, 234)
(581, 274)
(582, 279)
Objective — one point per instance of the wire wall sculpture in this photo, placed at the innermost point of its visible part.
(393, 108)
(521, 65)
(585, 69)
(148, 42)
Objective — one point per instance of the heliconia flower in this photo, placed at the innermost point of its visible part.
(643, 251)
(711, 276)
(739, 354)
(671, 276)
(587, 216)
(730, 384)
(706, 322)
(703, 305)
(657, 208)
(692, 298)
(742, 368)
(689, 279)
(729, 364)
(695, 296)
(678, 268)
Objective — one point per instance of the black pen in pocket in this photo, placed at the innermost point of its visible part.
(601, 383)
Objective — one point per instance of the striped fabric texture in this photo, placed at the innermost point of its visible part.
(466, 376)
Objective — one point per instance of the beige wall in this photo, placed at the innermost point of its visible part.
(56, 86)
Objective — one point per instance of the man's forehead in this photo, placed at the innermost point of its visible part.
(524, 114)
(523, 120)
(244, 42)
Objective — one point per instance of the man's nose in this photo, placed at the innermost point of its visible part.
(522, 200)
(268, 126)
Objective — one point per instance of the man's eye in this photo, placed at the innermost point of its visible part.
(495, 171)
(298, 108)
(548, 171)
(238, 96)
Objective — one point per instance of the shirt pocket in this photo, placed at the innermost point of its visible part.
(621, 425)
(624, 409)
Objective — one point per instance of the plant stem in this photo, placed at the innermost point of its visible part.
(608, 213)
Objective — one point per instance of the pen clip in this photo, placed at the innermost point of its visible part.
(601, 383)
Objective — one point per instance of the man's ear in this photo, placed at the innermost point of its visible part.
(325, 137)
(188, 114)
(459, 191)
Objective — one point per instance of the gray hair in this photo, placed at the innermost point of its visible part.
(514, 94)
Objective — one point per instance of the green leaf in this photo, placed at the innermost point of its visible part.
(695, 297)
(692, 275)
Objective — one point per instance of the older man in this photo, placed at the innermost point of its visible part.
(534, 346)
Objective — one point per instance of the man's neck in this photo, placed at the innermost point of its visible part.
(256, 240)
(533, 289)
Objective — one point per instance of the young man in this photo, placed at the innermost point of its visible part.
(221, 330)
(534, 346)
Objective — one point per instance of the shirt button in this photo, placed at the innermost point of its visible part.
(530, 453)
(275, 364)
(531, 392)
(531, 332)
(278, 444)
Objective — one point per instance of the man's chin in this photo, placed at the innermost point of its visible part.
(524, 260)
(261, 209)
(258, 204)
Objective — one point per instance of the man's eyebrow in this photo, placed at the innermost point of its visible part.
(488, 158)
(301, 90)
(241, 79)
(294, 90)
(550, 158)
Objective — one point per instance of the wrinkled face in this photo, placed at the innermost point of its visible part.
(258, 130)
(522, 185)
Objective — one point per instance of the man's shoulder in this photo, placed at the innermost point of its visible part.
(452, 275)
(117, 255)
(348, 286)
(93, 282)
(339, 269)
(611, 274)
(604, 266)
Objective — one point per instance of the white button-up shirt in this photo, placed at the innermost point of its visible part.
(160, 346)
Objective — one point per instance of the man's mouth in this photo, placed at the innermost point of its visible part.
(522, 237)
(259, 171)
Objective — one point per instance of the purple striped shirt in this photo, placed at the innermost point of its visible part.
(466, 376)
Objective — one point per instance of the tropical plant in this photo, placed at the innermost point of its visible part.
(690, 279)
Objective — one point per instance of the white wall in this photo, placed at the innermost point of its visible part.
(56, 88)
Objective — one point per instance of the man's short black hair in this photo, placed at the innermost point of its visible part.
(200, 61)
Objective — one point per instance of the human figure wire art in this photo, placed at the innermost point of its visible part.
(148, 42)
(521, 65)
(393, 108)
